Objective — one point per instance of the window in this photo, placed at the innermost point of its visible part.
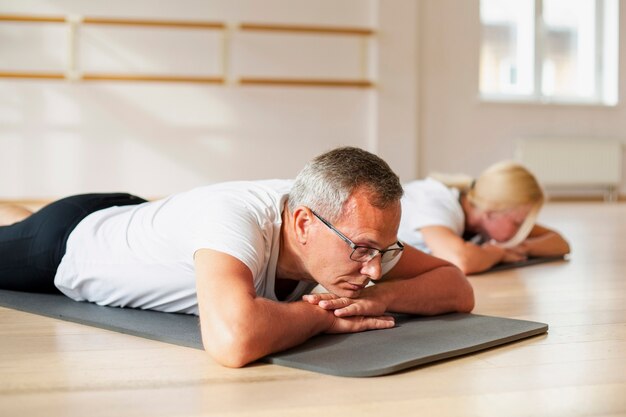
(549, 50)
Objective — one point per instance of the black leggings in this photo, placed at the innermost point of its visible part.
(31, 250)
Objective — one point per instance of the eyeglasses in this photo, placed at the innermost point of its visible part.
(364, 253)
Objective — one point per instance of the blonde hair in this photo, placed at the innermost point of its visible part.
(503, 186)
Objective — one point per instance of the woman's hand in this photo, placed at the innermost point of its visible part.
(511, 255)
(515, 254)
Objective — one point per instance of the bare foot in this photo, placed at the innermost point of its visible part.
(10, 213)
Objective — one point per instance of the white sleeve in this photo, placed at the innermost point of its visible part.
(232, 229)
(436, 212)
(434, 205)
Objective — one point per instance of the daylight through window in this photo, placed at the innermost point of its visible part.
(549, 50)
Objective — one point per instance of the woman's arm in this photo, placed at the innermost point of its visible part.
(544, 242)
(469, 257)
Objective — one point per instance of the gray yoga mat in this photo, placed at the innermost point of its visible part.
(527, 262)
(414, 341)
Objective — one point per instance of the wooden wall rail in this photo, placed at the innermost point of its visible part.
(158, 23)
(73, 74)
(145, 77)
(112, 77)
(32, 18)
(306, 82)
(329, 30)
(115, 21)
(33, 75)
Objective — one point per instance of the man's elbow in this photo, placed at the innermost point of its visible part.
(464, 293)
(232, 349)
(466, 301)
(230, 359)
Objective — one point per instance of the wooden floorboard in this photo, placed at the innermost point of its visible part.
(54, 368)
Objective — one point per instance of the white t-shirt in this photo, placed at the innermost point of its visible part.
(141, 256)
(428, 202)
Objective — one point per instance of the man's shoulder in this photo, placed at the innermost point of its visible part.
(258, 201)
(278, 186)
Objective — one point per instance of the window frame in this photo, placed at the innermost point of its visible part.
(599, 98)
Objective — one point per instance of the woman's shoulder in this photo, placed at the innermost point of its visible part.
(429, 187)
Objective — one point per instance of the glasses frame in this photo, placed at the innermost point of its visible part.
(373, 252)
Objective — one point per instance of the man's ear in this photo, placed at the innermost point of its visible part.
(302, 219)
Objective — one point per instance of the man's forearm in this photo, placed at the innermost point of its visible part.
(442, 290)
(264, 327)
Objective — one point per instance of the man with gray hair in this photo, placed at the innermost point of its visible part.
(244, 256)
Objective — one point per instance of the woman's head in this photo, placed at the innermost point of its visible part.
(509, 197)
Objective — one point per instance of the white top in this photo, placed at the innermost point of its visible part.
(429, 202)
(141, 256)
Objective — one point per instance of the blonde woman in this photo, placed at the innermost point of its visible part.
(476, 224)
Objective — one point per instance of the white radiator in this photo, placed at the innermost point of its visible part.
(573, 163)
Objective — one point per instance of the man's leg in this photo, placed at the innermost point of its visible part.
(11, 213)
(31, 249)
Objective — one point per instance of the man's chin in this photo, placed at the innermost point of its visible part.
(349, 293)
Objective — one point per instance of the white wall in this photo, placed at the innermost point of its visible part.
(458, 133)
(60, 137)
(397, 95)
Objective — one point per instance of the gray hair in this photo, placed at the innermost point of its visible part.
(326, 182)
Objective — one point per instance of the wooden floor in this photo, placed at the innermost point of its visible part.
(55, 368)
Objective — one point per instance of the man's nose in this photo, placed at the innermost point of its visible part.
(373, 268)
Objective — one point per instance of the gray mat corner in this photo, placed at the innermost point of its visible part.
(414, 341)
